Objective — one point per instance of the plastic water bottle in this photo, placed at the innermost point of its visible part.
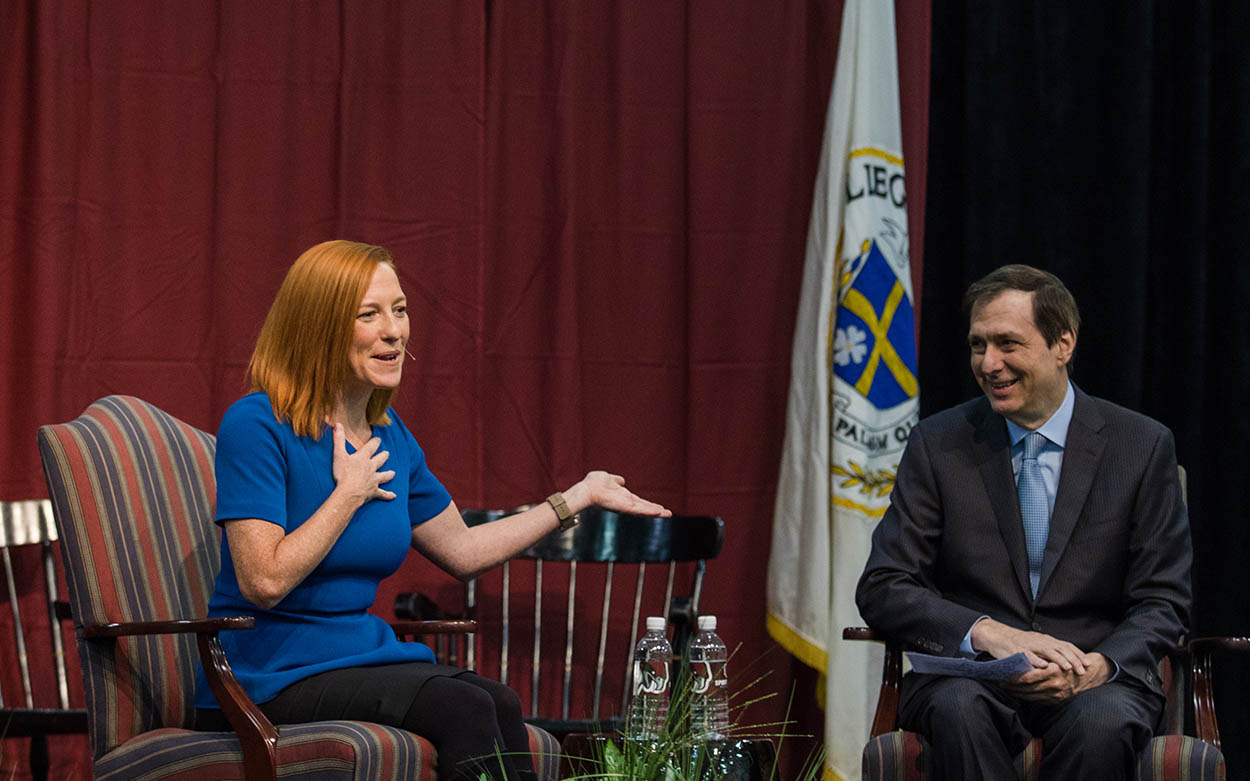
(709, 683)
(649, 706)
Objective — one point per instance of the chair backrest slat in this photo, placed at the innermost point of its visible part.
(570, 612)
(19, 635)
(505, 626)
(54, 620)
(668, 590)
(700, 567)
(536, 653)
(628, 688)
(604, 612)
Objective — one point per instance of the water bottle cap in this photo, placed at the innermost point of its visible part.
(656, 623)
(707, 623)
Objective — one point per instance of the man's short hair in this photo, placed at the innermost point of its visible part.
(1054, 308)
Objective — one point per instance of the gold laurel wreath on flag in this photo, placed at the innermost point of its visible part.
(880, 482)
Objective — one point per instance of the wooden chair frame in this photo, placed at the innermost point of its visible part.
(1195, 656)
(258, 737)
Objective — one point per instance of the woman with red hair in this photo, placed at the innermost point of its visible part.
(321, 489)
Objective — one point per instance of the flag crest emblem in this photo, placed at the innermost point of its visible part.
(875, 341)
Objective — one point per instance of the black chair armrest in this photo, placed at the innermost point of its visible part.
(258, 737)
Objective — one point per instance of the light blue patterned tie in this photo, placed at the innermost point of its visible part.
(1034, 505)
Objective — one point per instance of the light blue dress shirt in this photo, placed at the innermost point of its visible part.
(1050, 458)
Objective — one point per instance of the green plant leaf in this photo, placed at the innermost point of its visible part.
(613, 759)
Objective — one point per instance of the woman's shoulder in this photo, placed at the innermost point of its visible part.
(252, 411)
(254, 404)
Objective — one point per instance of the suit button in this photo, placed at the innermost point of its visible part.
(1037, 627)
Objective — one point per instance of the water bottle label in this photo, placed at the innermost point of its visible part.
(650, 678)
(706, 676)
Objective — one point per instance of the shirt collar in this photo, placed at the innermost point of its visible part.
(1056, 428)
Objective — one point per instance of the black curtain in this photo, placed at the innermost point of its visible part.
(1110, 143)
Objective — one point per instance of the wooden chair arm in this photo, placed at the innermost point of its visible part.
(1219, 644)
(419, 615)
(258, 737)
(131, 628)
(860, 633)
(886, 717)
(448, 626)
(1201, 673)
(1198, 650)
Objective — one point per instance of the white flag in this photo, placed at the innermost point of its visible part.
(853, 391)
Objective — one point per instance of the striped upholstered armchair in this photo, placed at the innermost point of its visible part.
(133, 490)
(895, 755)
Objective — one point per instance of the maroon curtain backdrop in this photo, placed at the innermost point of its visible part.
(598, 211)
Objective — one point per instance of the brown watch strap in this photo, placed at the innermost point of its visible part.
(567, 519)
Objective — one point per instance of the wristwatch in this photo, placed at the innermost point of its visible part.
(567, 519)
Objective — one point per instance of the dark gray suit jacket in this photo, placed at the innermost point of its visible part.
(950, 548)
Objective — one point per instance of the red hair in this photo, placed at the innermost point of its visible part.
(301, 355)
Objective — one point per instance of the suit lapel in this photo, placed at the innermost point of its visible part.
(993, 452)
(1081, 454)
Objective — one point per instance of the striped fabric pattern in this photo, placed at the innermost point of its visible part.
(133, 492)
(1181, 758)
(544, 752)
(1029, 762)
(896, 755)
(904, 756)
(326, 750)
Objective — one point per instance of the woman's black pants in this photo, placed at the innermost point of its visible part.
(474, 723)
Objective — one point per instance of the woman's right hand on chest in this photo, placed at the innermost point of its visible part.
(360, 475)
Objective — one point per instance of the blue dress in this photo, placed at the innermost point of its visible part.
(265, 471)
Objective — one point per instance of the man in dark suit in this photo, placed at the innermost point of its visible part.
(1041, 520)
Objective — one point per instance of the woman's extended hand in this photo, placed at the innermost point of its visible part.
(357, 474)
(609, 492)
